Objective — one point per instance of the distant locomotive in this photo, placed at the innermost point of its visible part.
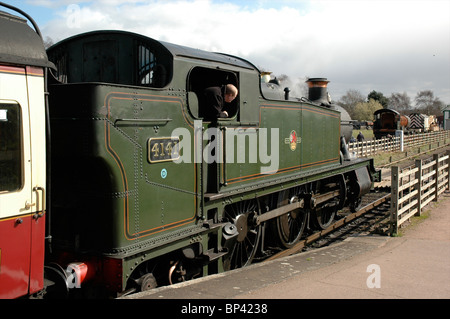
(145, 190)
(422, 123)
(387, 121)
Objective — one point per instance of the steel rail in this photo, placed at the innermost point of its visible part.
(343, 221)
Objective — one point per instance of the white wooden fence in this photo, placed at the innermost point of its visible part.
(412, 188)
(371, 147)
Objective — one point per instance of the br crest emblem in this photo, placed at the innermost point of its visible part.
(293, 140)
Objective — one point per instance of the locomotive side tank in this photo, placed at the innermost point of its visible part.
(151, 191)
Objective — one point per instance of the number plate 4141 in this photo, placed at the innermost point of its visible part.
(163, 149)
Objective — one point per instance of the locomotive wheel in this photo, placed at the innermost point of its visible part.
(356, 205)
(290, 226)
(324, 216)
(148, 282)
(324, 213)
(244, 232)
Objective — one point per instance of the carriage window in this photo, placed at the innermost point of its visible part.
(10, 148)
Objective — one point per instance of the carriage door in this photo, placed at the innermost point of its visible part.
(15, 184)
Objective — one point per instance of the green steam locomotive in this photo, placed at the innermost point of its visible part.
(148, 189)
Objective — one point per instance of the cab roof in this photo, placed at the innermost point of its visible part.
(176, 51)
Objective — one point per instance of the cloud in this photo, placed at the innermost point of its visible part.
(388, 46)
(51, 4)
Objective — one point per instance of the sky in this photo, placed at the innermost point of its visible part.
(390, 46)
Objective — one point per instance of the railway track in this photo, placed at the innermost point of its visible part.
(373, 217)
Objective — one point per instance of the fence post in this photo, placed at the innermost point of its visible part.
(448, 170)
(436, 185)
(399, 134)
(419, 186)
(394, 199)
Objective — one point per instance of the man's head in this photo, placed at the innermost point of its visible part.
(230, 93)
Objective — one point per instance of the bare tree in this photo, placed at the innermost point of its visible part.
(426, 103)
(48, 42)
(350, 100)
(400, 102)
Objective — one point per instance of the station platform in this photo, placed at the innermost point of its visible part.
(415, 265)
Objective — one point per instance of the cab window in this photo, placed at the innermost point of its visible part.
(202, 78)
(150, 71)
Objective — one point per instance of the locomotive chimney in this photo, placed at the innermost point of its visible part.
(317, 91)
